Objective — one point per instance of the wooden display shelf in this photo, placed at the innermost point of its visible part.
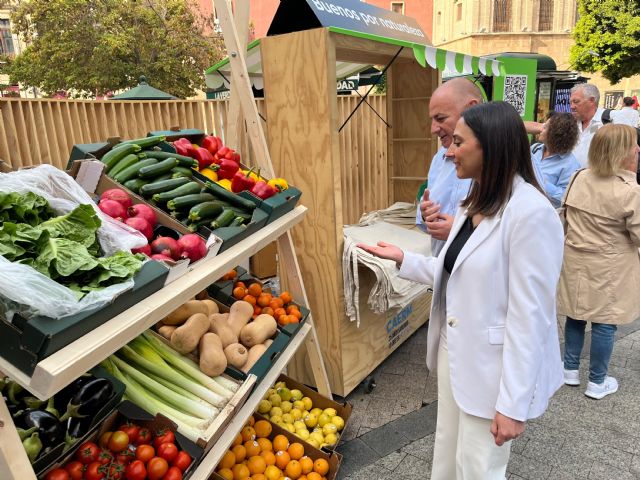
(60, 368)
(211, 459)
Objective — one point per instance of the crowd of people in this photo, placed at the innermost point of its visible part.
(520, 234)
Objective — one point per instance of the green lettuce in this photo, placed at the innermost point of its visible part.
(79, 225)
(24, 208)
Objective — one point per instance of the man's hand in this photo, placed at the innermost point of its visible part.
(439, 225)
(504, 428)
(425, 204)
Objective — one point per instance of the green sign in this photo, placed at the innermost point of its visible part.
(518, 85)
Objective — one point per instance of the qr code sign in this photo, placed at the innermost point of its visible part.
(515, 91)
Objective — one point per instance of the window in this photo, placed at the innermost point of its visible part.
(397, 7)
(502, 15)
(6, 42)
(545, 19)
(458, 12)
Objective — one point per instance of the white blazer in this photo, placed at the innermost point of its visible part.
(500, 308)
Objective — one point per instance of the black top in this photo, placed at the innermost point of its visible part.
(456, 245)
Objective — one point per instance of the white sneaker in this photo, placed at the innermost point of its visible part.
(598, 391)
(571, 377)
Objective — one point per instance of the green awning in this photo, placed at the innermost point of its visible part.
(143, 91)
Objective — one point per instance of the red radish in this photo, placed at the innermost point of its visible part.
(193, 246)
(113, 209)
(146, 250)
(166, 246)
(145, 211)
(161, 257)
(118, 195)
(141, 225)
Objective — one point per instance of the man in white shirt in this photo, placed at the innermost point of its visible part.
(627, 115)
(584, 105)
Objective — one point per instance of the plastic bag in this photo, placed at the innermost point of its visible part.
(27, 291)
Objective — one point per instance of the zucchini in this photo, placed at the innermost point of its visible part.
(133, 171)
(179, 171)
(159, 186)
(229, 197)
(182, 160)
(165, 176)
(195, 226)
(186, 189)
(237, 222)
(158, 168)
(205, 210)
(146, 142)
(188, 201)
(116, 154)
(125, 162)
(181, 216)
(135, 184)
(223, 220)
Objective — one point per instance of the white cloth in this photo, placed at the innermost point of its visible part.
(400, 213)
(626, 115)
(581, 150)
(500, 311)
(464, 446)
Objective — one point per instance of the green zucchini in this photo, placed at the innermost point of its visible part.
(195, 226)
(188, 201)
(182, 160)
(186, 189)
(159, 168)
(117, 153)
(146, 142)
(223, 220)
(181, 216)
(165, 176)
(237, 222)
(179, 171)
(159, 186)
(229, 197)
(135, 184)
(125, 162)
(205, 210)
(133, 171)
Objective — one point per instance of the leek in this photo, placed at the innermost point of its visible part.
(226, 383)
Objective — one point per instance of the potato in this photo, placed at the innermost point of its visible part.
(212, 358)
(263, 327)
(236, 355)
(184, 311)
(185, 338)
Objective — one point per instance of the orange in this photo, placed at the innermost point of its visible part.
(286, 297)
(240, 472)
(303, 477)
(282, 458)
(251, 421)
(248, 433)
(256, 464)
(239, 293)
(276, 303)
(228, 460)
(296, 451)
(293, 469)
(249, 299)
(321, 466)
(253, 448)
(291, 308)
(255, 289)
(307, 464)
(240, 452)
(296, 313)
(257, 310)
(262, 428)
(226, 473)
(269, 457)
(264, 299)
(272, 473)
(239, 284)
(230, 275)
(314, 476)
(267, 311)
(265, 444)
(237, 440)
(278, 312)
(258, 476)
(280, 443)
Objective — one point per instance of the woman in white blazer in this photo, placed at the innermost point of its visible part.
(492, 335)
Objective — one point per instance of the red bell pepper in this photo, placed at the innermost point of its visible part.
(241, 181)
(226, 169)
(211, 143)
(263, 190)
(185, 143)
(180, 149)
(203, 157)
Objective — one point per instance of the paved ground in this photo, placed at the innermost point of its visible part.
(390, 434)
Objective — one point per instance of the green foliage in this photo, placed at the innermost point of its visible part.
(90, 47)
(611, 29)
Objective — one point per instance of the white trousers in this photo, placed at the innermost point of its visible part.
(464, 446)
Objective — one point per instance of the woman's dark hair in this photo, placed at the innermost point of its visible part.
(562, 133)
(505, 154)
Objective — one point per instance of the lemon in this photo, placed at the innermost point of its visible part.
(286, 406)
(316, 411)
(296, 394)
(330, 411)
(290, 427)
(296, 414)
(331, 439)
(299, 425)
(308, 404)
(275, 400)
(275, 411)
(313, 442)
(317, 436)
(323, 419)
(303, 433)
(270, 392)
(288, 418)
(285, 393)
(276, 419)
(264, 406)
(329, 428)
(299, 404)
(310, 420)
(338, 421)
(280, 385)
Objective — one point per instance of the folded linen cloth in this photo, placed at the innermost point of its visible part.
(400, 213)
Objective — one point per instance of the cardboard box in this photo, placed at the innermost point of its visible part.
(264, 264)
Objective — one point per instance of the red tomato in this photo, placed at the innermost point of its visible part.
(168, 451)
(173, 473)
(87, 452)
(125, 457)
(95, 471)
(132, 430)
(164, 436)
(76, 470)
(144, 437)
(156, 468)
(115, 471)
(104, 439)
(136, 471)
(145, 453)
(104, 457)
(58, 474)
(118, 441)
(182, 461)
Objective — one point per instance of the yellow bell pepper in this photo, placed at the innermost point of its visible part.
(225, 183)
(210, 174)
(279, 183)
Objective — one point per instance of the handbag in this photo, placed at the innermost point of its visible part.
(562, 210)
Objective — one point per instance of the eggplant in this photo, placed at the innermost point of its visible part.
(78, 427)
(89, 399)
(49, 428)
(63, 397)
(32, 403)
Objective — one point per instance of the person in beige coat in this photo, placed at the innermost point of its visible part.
(601, 267)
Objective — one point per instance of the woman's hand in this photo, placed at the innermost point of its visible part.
(504, 428)
(384, 250)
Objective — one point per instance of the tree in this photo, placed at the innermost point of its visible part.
(607, 38)
(90, 47)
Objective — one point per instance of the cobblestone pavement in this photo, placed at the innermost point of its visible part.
(390, 434)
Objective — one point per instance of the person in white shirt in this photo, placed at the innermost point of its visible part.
(627, 115)
(584, 105)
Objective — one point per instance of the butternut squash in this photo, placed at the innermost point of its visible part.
(255, 353)
(166, 331)
(185, 338)
(220, 327)
(184, 311)
(263, 327)
(212, 358)
(239, 314)
(211, 305)
(236, 355)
